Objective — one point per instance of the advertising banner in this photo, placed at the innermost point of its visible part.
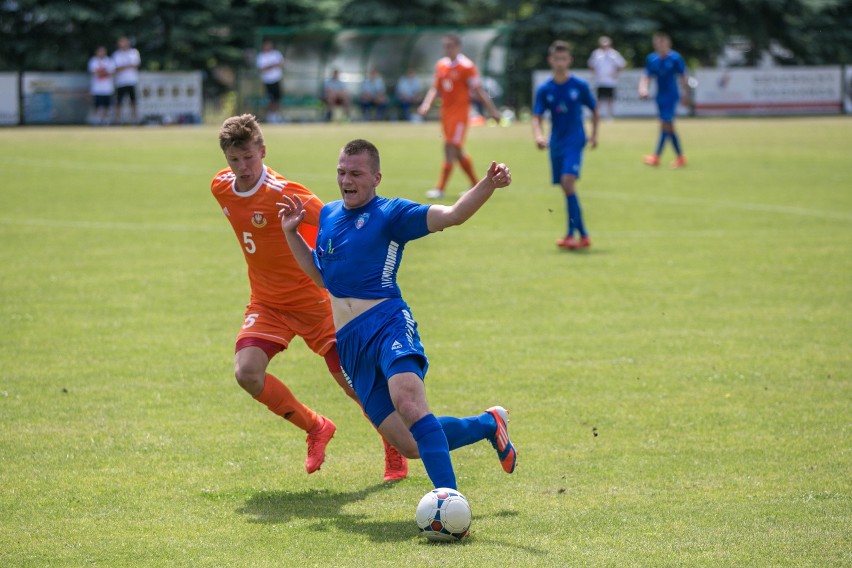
(170, 97)
(56, 98)
(847, 89)
(63, 98)
(781, 90)
(10, 110)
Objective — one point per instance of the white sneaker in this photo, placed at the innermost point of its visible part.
(434, 194)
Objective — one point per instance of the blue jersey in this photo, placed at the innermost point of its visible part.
(359, 250)
(666, 70)
(565, 101)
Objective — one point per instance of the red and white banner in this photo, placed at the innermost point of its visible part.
(780, 90)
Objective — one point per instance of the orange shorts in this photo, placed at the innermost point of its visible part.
(455, 128)
(314, 325)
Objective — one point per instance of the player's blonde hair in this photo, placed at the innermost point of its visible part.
(358, 146)
(239, 131)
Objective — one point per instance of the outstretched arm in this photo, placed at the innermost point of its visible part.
(427, 101)
(538, 132)
(644, 85)
(292, 213)
(593, 139)
(439, 217)
(486, 100)
(684, 89)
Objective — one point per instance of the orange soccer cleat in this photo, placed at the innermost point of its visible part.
(396, 466)
(318, 438)
(505, 450)
(651, 160)
(679, 162)
(568, 242)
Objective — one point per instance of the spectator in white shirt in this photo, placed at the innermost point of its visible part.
(270, 63)
(127, 61)
(101, 70)
(607, 63)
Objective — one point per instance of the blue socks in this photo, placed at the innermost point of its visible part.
(661, 142)
(675, 143)
(665, 135)
(434, 451)
(575, 215)
(464, 431)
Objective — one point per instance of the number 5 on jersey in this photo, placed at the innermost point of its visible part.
(249, 242)
(250, 319)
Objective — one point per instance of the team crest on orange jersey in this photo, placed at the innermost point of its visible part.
(258, 220)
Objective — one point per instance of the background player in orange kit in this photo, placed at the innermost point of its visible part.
(285, 302)
(455, 77)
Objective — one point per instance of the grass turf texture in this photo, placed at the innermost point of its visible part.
(680, 393)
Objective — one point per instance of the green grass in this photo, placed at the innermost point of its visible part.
(681, 394)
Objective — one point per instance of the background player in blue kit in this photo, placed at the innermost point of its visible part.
(669, 68)
(359, 249)
(564, 97)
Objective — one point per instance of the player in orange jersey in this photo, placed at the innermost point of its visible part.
(455, 77)
(284, 302)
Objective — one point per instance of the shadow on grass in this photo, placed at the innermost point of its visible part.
(325, 509)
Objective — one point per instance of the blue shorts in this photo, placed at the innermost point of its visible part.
(666, 109)
(566, 161)
(376, 345)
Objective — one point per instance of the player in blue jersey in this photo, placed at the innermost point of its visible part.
(359, 249)
(564, 97)
(669, 69)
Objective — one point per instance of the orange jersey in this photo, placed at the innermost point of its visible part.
(275, 277)
(453, 82)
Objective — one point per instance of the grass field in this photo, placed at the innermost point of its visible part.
(681, 394)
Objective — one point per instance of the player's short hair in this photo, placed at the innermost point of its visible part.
(359, 146)
(455, 38)
(559, 46)
(239, 131)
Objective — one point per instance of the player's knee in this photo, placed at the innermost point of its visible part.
(250, 379)
(409, 451)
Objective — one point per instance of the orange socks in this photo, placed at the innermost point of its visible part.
(467, 166)
(278, 398)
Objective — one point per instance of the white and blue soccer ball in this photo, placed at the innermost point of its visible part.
(443, 515)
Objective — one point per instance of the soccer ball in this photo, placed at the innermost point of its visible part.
(443, 515)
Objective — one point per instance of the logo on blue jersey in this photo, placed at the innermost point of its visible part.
(574, 94)
(327, 250)
(362, 220)
(396, 345)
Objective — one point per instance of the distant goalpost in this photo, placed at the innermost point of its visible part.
(311, 54)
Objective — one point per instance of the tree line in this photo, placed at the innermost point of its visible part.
(60, 35)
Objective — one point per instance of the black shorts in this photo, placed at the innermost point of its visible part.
(127, 91)
(273, 90)
(103, 101)
(606, 93)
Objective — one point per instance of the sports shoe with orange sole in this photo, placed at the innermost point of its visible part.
(680, 162)
(505, 450)
(396, 466)
(318, 438)
(651, 160)
(567, 242)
